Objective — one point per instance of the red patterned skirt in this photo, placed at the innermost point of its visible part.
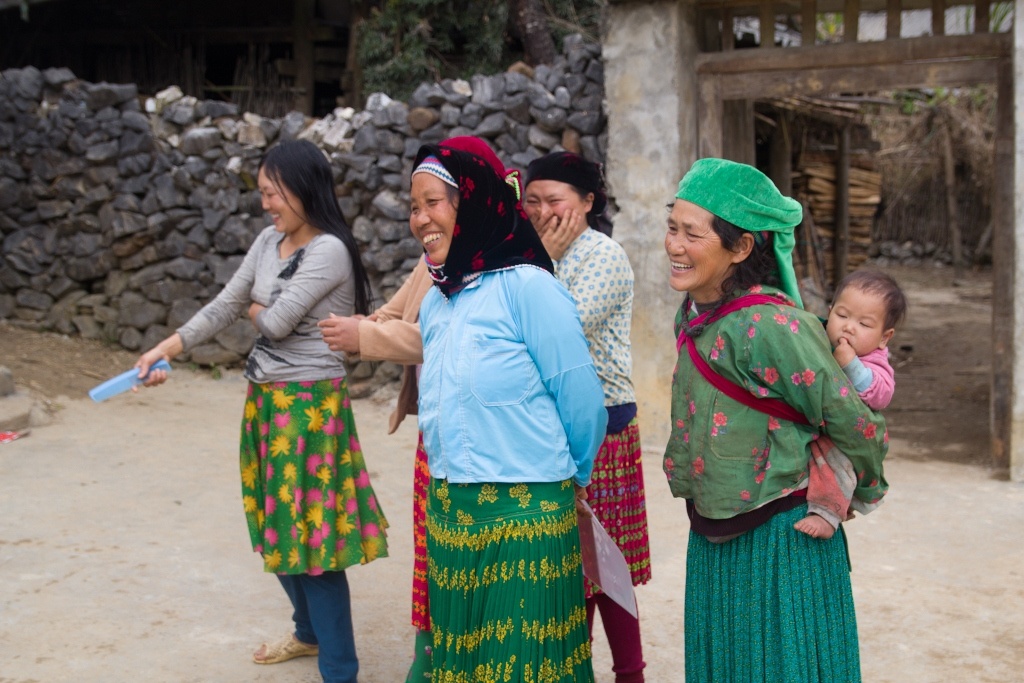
(616, 494)
(420, 484)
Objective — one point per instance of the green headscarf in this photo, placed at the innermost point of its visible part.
(748, 199)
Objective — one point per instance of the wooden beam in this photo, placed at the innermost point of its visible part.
(893, 19)
(842, 207)
(981, 16)
(1003, 265)
(709, 117)
(765, 84)
(879, 53)
(808, 22)
(938, 17)
(767, 24)
(303, 54)
(728, 32)
(851, 21)
(780, 163)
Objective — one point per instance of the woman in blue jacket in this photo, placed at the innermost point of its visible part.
(512, 413)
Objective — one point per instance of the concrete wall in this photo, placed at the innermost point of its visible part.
(649, 91)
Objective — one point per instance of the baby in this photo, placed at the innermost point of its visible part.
(868, 306)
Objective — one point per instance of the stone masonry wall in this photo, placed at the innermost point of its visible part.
(121, 216)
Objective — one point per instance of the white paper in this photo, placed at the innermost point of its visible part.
(603, 562)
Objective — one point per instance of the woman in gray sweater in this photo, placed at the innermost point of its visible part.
(306, 493)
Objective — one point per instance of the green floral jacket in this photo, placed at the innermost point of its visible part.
(730, 459)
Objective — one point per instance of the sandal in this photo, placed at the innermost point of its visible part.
(288, 647)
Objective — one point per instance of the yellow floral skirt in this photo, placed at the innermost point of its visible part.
(506, 584)
(307, 496)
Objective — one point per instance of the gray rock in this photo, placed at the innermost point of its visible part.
(181, 311)
(87, 327)
(233, 236)
(199, 140)
(185, 268)
(57, 76)
(214, 354)
(365, 140)
(391, 231)
(215, 109)
(101, 95)
(391, 206)
(7, 304)
(170, 290)
(138, 312)
(154, 335)
(586, 122)
(551, 120)
(293, 124)
(130, 338)
(29, 298)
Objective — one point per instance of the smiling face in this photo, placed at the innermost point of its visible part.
(283, 207)
(546, 198)
(699, 261)
(858, 317)
(433, 207)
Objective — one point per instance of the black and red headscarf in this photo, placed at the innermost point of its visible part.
(491, 232)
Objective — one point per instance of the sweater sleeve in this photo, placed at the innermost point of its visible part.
(392, 337)
(595, 294)
(227, 306)
(879, 392)
(325, 265)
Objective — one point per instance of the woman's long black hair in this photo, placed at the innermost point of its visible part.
(301, 167)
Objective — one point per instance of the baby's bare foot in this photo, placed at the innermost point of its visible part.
(815, 526)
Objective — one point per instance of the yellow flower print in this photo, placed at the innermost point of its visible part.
(282, 401)
(291, 472)
(316, 419)
(548, 506)
(369, 551)
(348, 487)
(284, 494)
(273, 560)
(488, 494)
(464, 517)
(315, 516)
(324, 475)
(303, 531)
(345, 458)
(522, 492)
(261, 519)
(281, 445)
(249, 503)
(250, 410)
(331, 404)
(343, 526)
(249, 475)
(442, 495)
(293, 558)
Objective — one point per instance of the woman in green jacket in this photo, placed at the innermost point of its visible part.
(764, 602)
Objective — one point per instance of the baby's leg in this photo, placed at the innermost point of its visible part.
(829, 490)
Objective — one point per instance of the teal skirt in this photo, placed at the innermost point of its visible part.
(771, 605)
(505, 576)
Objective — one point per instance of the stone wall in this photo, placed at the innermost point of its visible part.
(121, 216)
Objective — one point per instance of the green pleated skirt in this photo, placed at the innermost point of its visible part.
(773, 605)
(505, 578)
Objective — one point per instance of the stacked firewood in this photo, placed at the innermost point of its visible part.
(814, 182)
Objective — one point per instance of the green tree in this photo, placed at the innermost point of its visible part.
(402, 43)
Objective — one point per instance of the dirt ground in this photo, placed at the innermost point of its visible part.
(124, 555)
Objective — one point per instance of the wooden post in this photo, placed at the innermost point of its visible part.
(894, 18)
(780, 168)
(981, 16)
(709, 117)
(938, 17)
(302, 44)
(1003, 265)
(767, 23)
(955, 239)
(728, 30)
(808, 22)
(851, 21)
(842, 227)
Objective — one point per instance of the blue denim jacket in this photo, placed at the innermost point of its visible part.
(508, 391)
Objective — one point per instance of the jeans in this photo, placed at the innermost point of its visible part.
(323, 616)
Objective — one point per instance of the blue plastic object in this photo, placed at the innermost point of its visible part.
(123, 382)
